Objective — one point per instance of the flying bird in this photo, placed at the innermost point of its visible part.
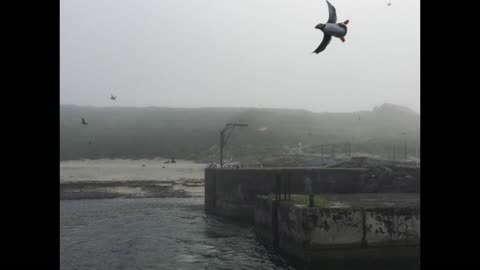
(331, 28)
(84, 122)
(112, 97)
(389, 4)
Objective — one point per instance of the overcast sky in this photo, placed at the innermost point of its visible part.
(239, 53)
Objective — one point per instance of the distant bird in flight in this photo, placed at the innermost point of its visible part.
(84, 122)
(331, 28)
(112, 97)
(389, 4)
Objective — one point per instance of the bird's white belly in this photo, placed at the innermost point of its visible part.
(334, 30)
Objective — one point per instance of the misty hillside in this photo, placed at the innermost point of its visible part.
(127, 132)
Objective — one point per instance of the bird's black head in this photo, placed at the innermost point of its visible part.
(320, 26)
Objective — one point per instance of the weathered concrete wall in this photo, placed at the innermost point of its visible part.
(266, 221)
(232, 192)
(322, 234)
(292, 233)
(328, 227)
(392, 226)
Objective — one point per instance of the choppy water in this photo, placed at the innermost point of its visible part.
(157, 233)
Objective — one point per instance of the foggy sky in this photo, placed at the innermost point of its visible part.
(239, 53)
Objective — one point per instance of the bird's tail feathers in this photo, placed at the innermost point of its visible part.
(346, 22)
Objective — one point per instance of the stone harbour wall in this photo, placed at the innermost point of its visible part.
(311, 234)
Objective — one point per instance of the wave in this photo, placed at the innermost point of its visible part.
(80, 190)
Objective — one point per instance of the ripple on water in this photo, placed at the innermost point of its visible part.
(165, 233)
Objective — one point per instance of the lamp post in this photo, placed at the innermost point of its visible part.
(394, 147)
(405, 144)
(223, 141)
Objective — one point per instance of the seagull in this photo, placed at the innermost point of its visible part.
(112, 97)
(84, 122)
(331, 28)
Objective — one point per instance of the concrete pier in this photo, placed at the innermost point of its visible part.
(361, 228)
(232, 192)
(348, 226)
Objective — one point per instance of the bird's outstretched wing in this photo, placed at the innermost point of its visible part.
(323, 45)
(332, 14)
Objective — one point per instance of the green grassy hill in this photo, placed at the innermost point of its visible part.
(127, 132)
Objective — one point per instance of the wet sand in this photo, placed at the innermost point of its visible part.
(129, 170)
(120, 178)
